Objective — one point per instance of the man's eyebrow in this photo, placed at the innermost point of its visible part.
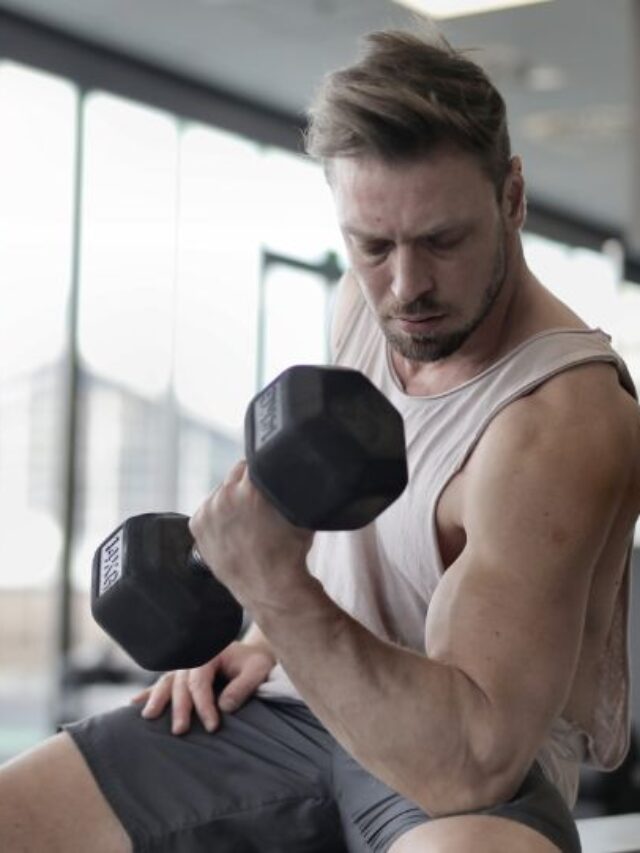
(436, 231)
(358, 232)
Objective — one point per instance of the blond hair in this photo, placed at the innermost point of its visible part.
(406, 96)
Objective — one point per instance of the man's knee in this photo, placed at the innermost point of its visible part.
(49, 801)
(480, 833)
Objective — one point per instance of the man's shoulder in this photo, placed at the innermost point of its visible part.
(589, 395)
(582, 414)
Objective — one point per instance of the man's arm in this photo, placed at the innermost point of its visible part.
(456, 728)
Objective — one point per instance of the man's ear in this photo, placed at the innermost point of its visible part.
(514, 199)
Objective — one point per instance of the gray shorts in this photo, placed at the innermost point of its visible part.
(270, 780)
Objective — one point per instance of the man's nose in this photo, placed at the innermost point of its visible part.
(413, 274)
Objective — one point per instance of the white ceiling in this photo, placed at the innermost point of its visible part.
(565, 67)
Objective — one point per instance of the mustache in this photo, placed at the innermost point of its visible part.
(424, 304)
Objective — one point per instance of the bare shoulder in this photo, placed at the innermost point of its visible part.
(569, 452)
(583, 414)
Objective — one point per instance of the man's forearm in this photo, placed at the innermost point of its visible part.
(402, 716)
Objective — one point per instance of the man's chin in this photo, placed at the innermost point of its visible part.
(425, 348)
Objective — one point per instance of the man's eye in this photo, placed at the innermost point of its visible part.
(374, 249)
(443, 244)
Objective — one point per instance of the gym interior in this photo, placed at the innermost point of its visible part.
(166, 250)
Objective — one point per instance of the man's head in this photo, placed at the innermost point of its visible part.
(415, 144)
(405, 98)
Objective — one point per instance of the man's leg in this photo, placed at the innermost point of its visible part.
(376, 819)
(50, 802)
(259, 782)
(479, 833)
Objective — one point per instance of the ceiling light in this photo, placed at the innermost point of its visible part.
(458, 8)
(597, 122)
(545, 78)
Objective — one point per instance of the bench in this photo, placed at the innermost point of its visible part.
(616, 834)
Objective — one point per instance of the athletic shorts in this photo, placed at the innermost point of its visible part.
(271, 779)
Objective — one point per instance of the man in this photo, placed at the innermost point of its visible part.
(433, 681)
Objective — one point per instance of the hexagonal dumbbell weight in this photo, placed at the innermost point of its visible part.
(322, 444)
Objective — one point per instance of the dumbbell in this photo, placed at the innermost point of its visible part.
(322, 444)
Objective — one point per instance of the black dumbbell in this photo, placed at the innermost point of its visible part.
(322, 444)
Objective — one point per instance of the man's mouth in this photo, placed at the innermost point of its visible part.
(418, 318)
(418, 322)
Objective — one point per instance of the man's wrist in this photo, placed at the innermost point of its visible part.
(294, 611)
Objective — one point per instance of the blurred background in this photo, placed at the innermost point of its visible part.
(166, 249)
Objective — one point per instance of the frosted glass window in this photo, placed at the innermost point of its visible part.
(38, 116)
(129, 221)
(218, 270)
(297, 208)
(36, 210)
(295, 319)
(626, 329)
(585, 280)
(36, 201)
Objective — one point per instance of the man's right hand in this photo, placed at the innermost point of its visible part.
(245, 665)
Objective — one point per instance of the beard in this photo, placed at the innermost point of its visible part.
(438, 345)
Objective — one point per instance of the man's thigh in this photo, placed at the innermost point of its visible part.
(257, 784)
(378, 820)
(50, 802)
(477, 833)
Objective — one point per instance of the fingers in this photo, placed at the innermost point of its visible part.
(244, 685)
(189, 690)
(200, 684)
(236, 473)
(181, 703)
(141, 697)
(155, 697)
(184, 689)
(236, 694)
(171, 688)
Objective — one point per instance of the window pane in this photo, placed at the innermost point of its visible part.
(626, 336)
(36, 208)
(128, 259)
(585, 280)
(295, 319)
(298, 215)
(219, 262)
(128, 243)
(35, 263)
(626, 331)
(35, 216)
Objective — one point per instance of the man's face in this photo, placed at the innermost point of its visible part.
(427, 242)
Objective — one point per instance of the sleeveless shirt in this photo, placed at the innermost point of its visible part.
(384, 574)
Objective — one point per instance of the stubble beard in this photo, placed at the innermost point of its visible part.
(438, 345)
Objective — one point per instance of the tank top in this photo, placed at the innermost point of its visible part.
(384, 574)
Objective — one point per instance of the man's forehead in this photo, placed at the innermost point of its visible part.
(371, 196)
(441, 163)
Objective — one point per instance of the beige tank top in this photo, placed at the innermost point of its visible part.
(385, 574)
